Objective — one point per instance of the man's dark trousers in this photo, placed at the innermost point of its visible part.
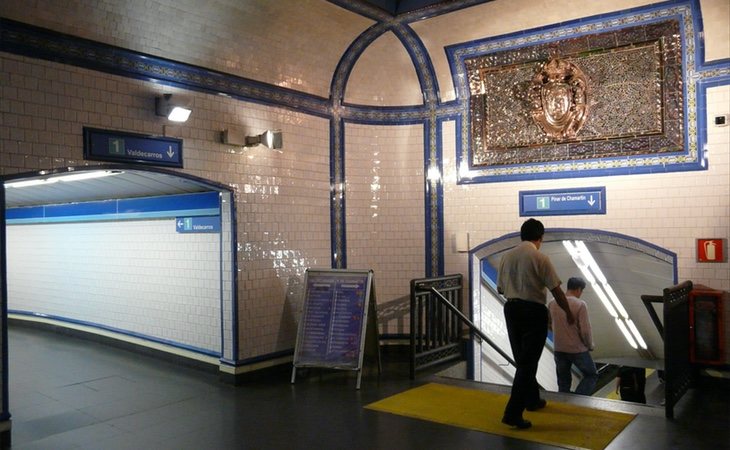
(527, 325)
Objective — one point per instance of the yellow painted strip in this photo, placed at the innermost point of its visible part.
(559, 424)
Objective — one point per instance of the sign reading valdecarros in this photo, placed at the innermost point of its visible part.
(123, 147)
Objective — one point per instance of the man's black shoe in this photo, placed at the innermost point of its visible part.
(539, 405)
(519, 422)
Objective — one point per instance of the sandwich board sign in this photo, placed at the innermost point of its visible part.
(338, 319)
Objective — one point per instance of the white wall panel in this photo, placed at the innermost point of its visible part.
(137, 276)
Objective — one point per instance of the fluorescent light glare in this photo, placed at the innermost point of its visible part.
(586, 255)
(572, 250)
(85, 175)
(635, 332)
(617, 303)
(434, 174)
(27, 183)
(587, 274)
(593, 274)
(626, 333)
(604, 299)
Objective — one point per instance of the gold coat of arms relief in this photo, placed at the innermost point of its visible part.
(559, 99)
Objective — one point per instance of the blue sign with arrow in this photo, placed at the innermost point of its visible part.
(198, 224)
(563, 202)
(123, 147)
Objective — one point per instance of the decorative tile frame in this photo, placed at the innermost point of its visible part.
(691, 157)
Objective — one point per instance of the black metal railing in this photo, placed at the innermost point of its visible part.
(678, 370)
(438, 327)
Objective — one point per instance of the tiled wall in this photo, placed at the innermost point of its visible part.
(209, 36)
(381, 61)
(138, 276)
(281, 197)
(385, 219)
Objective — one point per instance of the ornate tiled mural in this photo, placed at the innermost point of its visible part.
(609, 95)
(593, 96)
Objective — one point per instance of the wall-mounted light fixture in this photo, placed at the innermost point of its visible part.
(175, 112)
(269, 138)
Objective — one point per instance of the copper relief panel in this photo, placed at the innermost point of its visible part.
(611, 94)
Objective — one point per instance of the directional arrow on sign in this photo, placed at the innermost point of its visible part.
(170, 152)
(591, 201)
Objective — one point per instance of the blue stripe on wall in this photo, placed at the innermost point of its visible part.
(81, 209)
(196, 204)
(202, 200)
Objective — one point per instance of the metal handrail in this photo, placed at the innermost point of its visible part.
(471, 325)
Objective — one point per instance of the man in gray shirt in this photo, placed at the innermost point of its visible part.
(523, 276)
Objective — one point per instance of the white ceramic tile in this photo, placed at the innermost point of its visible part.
(258, 39)
(385, 219)
(381, 61)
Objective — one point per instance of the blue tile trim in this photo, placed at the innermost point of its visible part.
(5, 413)
(363, 9)
(437, 205)
(349, 58)
(702, 123)
(338, 226)
(427, 203)
(257, 359)
(427, 113)
(384, 115)
(421, 62)
(234, 282)
(142, 336)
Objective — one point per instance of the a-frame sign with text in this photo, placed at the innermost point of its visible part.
(338, 324)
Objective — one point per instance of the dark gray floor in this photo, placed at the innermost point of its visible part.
(70, 393)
